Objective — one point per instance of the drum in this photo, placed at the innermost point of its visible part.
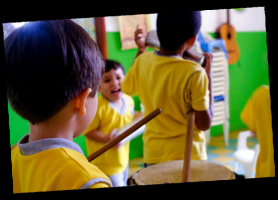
(171, 172)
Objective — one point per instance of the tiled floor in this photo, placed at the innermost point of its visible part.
(216, 150)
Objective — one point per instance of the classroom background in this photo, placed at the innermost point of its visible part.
(245, 76)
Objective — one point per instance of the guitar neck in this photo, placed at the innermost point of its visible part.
(228, 22)
(228, 16)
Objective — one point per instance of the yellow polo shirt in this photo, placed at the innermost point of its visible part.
(53, 164)
(257, 116)
(108, 117)
(174, 85)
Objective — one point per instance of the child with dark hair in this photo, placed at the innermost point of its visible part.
(115, 110)
(53, 70)
(164, 79)
(174, 29)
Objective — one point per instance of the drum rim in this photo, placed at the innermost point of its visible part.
(138, 181)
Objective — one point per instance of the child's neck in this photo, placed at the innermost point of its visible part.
(119, 103)
(62, 125)
(177, 52)
(166, 52)
(38, 132)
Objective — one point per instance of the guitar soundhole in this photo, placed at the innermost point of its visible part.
(229, 36)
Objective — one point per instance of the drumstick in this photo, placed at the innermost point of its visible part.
(188, 147)
(191, 54)
(124, 134)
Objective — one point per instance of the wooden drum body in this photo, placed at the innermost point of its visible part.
(171, 172)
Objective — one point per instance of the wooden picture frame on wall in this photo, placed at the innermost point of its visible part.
(128, 24)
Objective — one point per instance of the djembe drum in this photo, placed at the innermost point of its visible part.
(171, 172)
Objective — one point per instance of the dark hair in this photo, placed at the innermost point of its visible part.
(47, 64)
(112, 64)
(173, 29)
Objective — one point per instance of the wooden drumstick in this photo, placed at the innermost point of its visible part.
(188, 146)
(126, 133)
(191, 54)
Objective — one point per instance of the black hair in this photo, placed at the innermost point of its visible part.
(173, 29)
(48, 63)
(112, 64)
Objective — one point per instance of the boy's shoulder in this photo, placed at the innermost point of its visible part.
(261, 91)
(261, 98)
(103, 103)
(14, 148)
(58, 159)
(128, 98)
(173, 60)
(82, 166)
(145, 54)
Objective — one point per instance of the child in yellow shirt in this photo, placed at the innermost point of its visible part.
(115, 109)
(163, 79)
(53, 70)
(257, 116)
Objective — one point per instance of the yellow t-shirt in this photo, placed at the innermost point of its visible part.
(107, 118)
(257, 116)
(174, 85)
(53, 164)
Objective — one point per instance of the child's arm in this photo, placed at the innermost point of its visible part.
(203, 119)
(98, 185)
(101, 137)
(139, 40)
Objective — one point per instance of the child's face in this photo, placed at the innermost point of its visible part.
(110, 85)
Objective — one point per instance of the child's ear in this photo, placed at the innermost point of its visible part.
(192, 40)
(81, 101)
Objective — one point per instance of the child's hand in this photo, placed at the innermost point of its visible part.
(119, 145)
(207, 63)
(111, 135)
(140, 39)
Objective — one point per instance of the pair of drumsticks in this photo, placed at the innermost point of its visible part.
(188, 146)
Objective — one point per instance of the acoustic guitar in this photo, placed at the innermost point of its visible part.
(227, 32)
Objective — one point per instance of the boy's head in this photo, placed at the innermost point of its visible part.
(48, 63)
(174, 29)
(110, 86)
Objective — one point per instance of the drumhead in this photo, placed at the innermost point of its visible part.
(171, 172)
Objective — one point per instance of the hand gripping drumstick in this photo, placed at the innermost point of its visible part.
(126, 133)
(188, 147)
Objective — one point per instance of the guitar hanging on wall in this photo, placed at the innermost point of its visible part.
(227, 32)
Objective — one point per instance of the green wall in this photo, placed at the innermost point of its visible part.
(250, 72)
(246, 75)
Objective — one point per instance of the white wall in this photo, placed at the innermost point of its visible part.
(245, 20)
